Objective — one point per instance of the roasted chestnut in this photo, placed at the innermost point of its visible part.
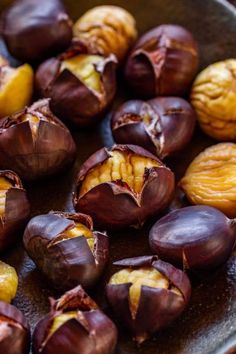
(16, 87)
(8, 282)
(106, 30)
(14, 208)
(35, 143)
(123, 186)
(153, 124)
(147, 295)
(196, 237)
(163, 62)
(34, 30)
(75, 325)
(14, 330)
(66, 249)
(81, 86)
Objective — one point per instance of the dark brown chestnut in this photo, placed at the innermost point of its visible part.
(66, 249)
(123, 186)
(154, 123)
(75, 325)
(14, 208)
(196, 237)
(81, 85)
(35, 143)
(147, 295)
(163, 62)
(34, 30)
(14, 330)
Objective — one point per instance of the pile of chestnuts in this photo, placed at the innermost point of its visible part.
(68, 81)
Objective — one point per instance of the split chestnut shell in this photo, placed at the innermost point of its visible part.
(75, 325)
(66, 249)
(195, 237)
(123, 186)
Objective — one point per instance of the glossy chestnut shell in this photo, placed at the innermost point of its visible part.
(152, 124)
(66, 261)
(195, 237)
(157, 307)
(163, 62)
(113, 203)
(90, 331)
(34, 30)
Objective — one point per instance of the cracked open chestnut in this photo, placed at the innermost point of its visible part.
(195, 238)
(75, 325)
(152, 124)
(14, 330)
(66, 249)
(81, 85)
(8, 282)
(123, 186)
(163, 62)
(34, 30)
(35, 143)
(14, 208)
(147, 294)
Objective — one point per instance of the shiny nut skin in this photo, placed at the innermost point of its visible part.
(211, 178)
(123, 186)
(34, 30)
(63, 255)
(199, 238)
(106, 30)
(158, 305)
(75, 325)
(152, 124)
(163, 62)
(14, 330)
(35, 143)
(8, 282)
(213, 97)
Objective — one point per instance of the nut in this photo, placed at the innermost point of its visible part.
(213, 96)
(8, 282)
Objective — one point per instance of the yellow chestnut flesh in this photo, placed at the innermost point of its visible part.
(8, 282)
(84, 67)
(213, 96)
(5, 185)
(211, 178)
(125, 167)
(33, 121)
(60, 320)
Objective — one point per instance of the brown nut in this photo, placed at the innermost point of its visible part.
(213, 96)
(211, 178)
(8, 282)
(106, 30)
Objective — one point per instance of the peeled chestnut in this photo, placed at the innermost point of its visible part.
(34, 30)
(8, 282)
(163, 62)
(14, 208)
(35, 143)
(106, 30)
(154, 123)
(147, 294)
(14, 330)
(66, 249)
(196, 237)
(123, 186)
(75, 325)
(81, 86)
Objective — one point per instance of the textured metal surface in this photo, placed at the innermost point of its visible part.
(209, 324)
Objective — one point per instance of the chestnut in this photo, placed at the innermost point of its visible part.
(147, 294)
(34, 30)
(123, 186)
(75, 325)
(14, 330)
(81, 86)
(8, 282)
(66, 249)
(16, 87)
(35, 143)
(152, 124)
(14, 208)
(163, 62)
(195, 238)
